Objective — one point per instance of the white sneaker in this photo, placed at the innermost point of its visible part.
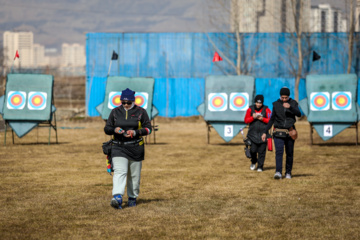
(288, 176)
(259, 170)
(252, 167)
(277, 175)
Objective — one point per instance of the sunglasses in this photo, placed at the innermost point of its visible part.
(126, 103)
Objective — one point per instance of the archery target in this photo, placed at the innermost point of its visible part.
(37, 100)
(319, 101)
(16, 100)
(141, 99)
(239, 101)
(341, 100)
(114, 100)
(217, 102)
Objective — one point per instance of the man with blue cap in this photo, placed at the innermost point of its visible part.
(127, 123)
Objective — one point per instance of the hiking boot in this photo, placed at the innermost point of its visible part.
(116, 202)
(259, 169)
(131, 202)
(277, 175)
(252, 167)
(288, 176)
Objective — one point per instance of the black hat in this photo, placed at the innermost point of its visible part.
(259, 99)
(285, 91)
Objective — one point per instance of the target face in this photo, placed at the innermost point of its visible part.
(217, 102)
(114, 100)
(319, 101)
(37, 100)
(341, 100)
(16, 100)
(239, 101)
(141, 99)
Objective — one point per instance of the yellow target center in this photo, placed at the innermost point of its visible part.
(341, 100)
(117, 100)
(137, 100)
(16, 99)
(239, 101)
(320, 101)
(37, 100)
(217, 102)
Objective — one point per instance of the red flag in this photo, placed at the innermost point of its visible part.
(16, 55)
(217, 57)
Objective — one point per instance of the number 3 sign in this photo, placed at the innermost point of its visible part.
(229, 131)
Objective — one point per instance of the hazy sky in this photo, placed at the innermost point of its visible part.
(57, 21)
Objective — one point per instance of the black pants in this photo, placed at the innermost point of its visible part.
(288, 142)
(258, 152)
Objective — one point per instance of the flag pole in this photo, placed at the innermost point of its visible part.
(211, 66)
(109, 68)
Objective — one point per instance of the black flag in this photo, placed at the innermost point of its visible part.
(114, 56)
(316, 56)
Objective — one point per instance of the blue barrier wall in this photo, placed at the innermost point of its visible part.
(179, 62)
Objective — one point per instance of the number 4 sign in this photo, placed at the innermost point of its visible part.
(328, 130)
(229, 131)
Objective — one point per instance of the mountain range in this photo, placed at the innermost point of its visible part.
(67, 21)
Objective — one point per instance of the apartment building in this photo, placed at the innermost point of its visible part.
(22, 42)
(268, 15)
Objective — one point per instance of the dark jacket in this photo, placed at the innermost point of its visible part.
(134, 119)
(256, 126)
(283, 118)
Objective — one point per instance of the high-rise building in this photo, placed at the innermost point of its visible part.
(325, 18)
(269, 15)
(357, 16)
(18, 41)
(39, 55)
(73, 55)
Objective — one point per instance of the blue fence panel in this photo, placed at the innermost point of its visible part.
(178, 96)
(188, 57)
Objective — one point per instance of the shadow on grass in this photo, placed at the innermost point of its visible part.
(228, 144)
(302, 175)
(268, 168)
(348, 144)
(156, 144)
(144, 201)
(38, 143)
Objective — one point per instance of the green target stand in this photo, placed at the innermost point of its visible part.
(227, 99)
(331, 104)
(28, 103)
(144, 90)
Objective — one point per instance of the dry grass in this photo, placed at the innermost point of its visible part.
(189, 190)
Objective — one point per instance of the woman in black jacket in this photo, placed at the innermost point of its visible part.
(283, 117)
(127, 123)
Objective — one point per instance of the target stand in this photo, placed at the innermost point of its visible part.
(28, 103)
(328, 128)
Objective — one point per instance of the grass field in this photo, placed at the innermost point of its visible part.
(189, 189)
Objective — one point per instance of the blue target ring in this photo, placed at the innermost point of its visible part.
(217, 102)
(341, 101)
(16, 100)
(114, 100)
(320, 101)
(239, 101)
(141, 99)
(37, 100)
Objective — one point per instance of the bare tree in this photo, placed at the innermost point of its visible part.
(351, 35)
(297, 10)
(220, 13)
